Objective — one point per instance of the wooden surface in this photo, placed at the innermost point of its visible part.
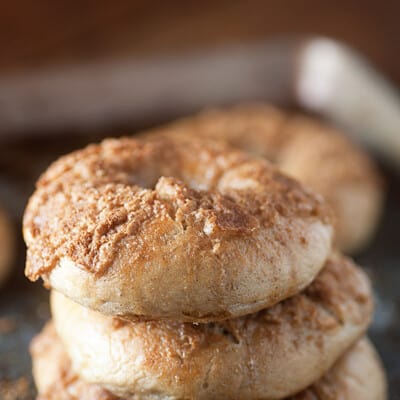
(37, 33)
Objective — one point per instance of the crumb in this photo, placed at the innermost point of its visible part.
(7, 325)
(17, 389)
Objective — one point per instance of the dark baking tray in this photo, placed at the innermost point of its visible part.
(24, 306)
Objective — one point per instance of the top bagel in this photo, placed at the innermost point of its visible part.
(315, 154)
(189, 230)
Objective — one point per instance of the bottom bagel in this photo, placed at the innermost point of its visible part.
(357, 375)
(270, 354)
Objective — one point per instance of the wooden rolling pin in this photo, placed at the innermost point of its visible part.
(335, 81)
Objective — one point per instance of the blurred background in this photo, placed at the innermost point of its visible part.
(91, 52)
(39, 34)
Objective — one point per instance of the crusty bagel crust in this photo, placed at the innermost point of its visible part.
(315, 154)
(179, 229)
(358, 375)
(270, 354)
(52, 371)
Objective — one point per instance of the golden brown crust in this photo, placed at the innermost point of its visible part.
(271, 354)
(358, 375)
(313, 153)
(52, 371)
(173, 228)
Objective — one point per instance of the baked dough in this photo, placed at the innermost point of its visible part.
(52, 371)
(358, 375)
(270, 354)
(178, 229)
(315, 154)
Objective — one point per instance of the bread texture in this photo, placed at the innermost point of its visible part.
(314, 153)
(176, 228)
(357, 375)
(270, 354)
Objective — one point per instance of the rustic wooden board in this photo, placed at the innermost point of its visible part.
(43, 33)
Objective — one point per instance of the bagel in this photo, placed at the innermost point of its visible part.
(270, 354)
(315, 154)
(178, 229)
(7, 246)
(52, 371)
(358, 375)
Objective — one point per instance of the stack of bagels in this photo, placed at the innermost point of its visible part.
(184, 268)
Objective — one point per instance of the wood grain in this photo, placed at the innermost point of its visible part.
(33, 34)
